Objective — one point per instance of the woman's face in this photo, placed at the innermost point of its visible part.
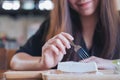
(84, 7)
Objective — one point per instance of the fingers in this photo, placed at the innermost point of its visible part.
(62, 39)
(65, 38)
(55, 48)
(58, 43)
(60, 46)
(68, 36)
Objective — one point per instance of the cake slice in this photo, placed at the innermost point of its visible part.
(77, 67)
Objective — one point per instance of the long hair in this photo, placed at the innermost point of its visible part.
(61, 21)
(109, 18)
(59, 18)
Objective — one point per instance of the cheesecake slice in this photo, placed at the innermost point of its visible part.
(77, 67)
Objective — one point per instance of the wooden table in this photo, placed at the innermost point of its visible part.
(58, 75)
(23, 75)
(2, 76)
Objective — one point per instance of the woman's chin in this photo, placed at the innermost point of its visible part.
(86, 13)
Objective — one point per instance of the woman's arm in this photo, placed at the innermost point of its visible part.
(23, 61)
(52, 53)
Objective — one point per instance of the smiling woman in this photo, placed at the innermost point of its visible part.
(92, 24)
(85, 8)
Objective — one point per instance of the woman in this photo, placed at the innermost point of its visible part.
(92, 24)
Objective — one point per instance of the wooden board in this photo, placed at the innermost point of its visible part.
(23, 74)
(3, 59)
(2, 76)
(58, 75)
(101, 75)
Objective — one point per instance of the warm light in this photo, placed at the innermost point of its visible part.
(7, 5)
(16, 5)
(46, 5)
(28, 5)
(11, 5)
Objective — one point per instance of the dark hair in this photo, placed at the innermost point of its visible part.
(108, 18)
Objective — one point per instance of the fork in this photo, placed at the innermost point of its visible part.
(80, 51)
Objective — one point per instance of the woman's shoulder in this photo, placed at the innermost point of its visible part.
(43, 27)
(45, 24)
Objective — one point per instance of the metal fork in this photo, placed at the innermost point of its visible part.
(80, 51)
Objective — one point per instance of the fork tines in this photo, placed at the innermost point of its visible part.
(80, 51)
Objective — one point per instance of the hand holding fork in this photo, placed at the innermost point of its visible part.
(80, 51)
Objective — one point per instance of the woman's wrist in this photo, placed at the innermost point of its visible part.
(41, 64)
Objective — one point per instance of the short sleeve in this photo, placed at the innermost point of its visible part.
(34, 44)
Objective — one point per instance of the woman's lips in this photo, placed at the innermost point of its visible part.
(84, 4)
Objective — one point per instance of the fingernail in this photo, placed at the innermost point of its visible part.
(69, 47)
(64, 52)
(72, 38)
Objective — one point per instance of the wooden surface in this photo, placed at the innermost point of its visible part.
(10, 53)
(58, 75)
(101, 75)
(3, 59)
(2, 76)
(23, 75)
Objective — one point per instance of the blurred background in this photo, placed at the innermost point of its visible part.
(20, 19)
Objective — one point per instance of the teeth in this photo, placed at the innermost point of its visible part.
(84, 1)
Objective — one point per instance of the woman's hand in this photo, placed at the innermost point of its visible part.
(101, 63)
(54, 49)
